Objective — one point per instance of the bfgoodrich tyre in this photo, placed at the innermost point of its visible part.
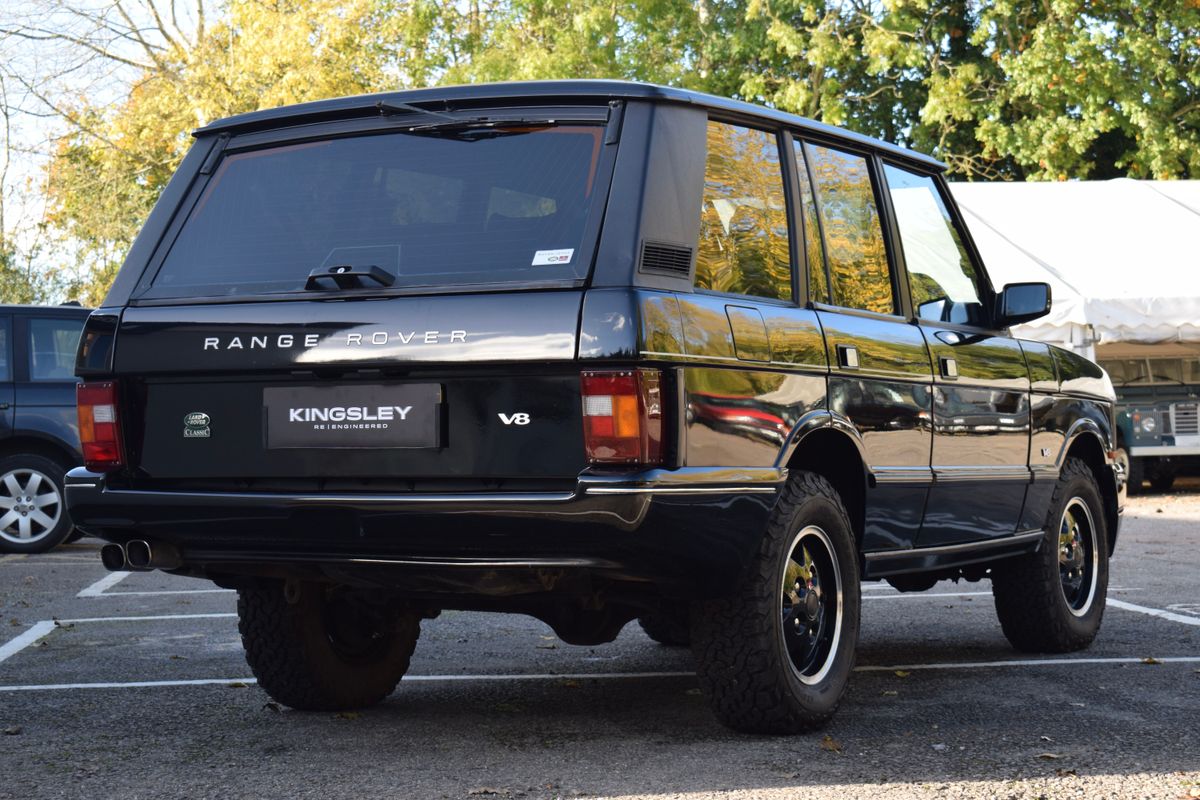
(316, 647)
(1052, 601)
(776, 656)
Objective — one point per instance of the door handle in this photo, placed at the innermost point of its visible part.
(949, 367)
(847, 356)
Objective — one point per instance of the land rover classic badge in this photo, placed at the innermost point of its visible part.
(195, 426)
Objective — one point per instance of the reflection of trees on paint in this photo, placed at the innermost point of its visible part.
(743, 223)
(853, 237)
(818, 286)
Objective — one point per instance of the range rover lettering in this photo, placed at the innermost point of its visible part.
(591, 351)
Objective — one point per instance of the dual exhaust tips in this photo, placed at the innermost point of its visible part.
(139, 555)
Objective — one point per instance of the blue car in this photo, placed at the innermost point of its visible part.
(39, 428)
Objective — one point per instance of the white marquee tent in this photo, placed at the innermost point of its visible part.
(1122, 256)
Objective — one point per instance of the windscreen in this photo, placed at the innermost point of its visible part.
(437, 208)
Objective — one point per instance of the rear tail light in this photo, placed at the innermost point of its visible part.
(99, 426)
(622, 416)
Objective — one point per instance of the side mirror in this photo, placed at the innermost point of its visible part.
(1022, 302)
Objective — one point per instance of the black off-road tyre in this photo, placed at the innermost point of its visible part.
(1037, 613)
(45, 519)
(306, 659)
(670, 625)
(744, 664)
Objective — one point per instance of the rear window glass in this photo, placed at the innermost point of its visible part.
(434, 209)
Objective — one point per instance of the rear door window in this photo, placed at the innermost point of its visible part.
(854, 244)
(52, 346)
(743, 222)
(433, 209)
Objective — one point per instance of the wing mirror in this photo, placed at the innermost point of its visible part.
(1022, 302)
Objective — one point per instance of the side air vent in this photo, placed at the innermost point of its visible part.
(666, 259)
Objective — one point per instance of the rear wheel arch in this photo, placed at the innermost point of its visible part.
(1088, 447)
(837, 457)
(47, 448)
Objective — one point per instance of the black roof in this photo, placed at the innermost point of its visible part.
(559, 91)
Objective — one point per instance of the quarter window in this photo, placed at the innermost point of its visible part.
(743, 222)
(944, 285)
(858, 264)
(52, 346)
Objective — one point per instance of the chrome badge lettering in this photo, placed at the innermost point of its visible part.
(290, 341)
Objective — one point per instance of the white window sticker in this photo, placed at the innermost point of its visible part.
(543, 257)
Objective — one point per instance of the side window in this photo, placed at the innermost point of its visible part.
(5, 370)
(944, 285)
(52, 346)
(858, 263)
(818, 278)
(743, 222)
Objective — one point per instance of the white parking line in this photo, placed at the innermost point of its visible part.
(144, 618)
(587, 676)
(1029, 662)
(157, 592)
(925, 595)
(98, 588)
(1154, 612)
(29, 637)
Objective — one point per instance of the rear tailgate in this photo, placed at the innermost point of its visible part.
(451, 386)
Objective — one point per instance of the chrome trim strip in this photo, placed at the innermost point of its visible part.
(894, 475)
(682, 489)
(344, 499)
(962, 547)
(955, 474)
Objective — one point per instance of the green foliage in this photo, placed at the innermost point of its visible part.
(1010, 89)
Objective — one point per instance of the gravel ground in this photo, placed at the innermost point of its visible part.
(499, 708)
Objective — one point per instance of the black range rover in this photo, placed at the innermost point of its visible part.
(590, 351)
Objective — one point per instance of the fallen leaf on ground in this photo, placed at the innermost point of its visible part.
(485, 790)
(1150, 660)
(697, 691)
(889, 693)
(1049, 756)
(13, 730)
(547, 646)
(272, 706)
(237, 685)
(179, 658)
(830, 744)
(347, 715)
(901, 673)
(1062, 773)
(570, 684)
(1045, 738)
(939, 746)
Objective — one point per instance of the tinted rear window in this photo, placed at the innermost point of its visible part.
(432, 210)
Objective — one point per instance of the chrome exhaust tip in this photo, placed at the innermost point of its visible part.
(112, 556)
(138, 554)
(141, 555)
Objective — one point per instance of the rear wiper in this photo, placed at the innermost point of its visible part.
(345, 276)
(396, 107)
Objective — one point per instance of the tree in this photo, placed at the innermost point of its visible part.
(1012, 89)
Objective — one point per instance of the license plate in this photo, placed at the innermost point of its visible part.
(366, 416)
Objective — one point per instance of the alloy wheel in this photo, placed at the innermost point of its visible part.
(30, 506)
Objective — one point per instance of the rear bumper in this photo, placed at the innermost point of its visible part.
(692, 526)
